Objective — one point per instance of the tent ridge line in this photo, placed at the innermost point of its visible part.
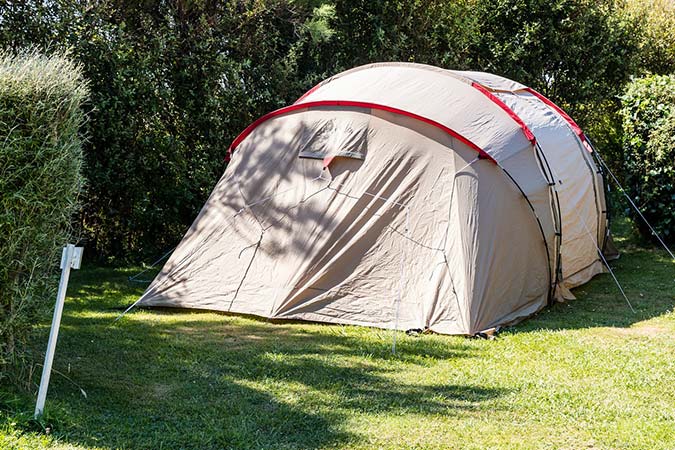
(358, 104)
(409, 65)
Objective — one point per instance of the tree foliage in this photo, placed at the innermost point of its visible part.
(172, 84)
(575, 51)
(174, 81)
(656, 37)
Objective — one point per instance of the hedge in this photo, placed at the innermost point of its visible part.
(41, 113)
(648, 114)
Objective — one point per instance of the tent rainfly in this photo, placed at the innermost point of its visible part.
(400, 196)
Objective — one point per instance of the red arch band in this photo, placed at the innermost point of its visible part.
(573, 125)
(355, 104)
(494, 99)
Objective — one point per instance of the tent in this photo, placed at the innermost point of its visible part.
(402, 196)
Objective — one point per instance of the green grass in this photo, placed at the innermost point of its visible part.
(586, 374)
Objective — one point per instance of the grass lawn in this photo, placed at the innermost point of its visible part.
(587, 374)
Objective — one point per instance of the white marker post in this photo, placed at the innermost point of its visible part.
(71, 258)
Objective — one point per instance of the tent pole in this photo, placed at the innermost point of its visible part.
(595, 242)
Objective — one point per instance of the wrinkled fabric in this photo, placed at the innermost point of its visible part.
(364, 216)
(578, 185)
(403, 239)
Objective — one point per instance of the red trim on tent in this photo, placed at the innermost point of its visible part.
(356, 104)
(327, 160)
(493, 98)
(308, 93)
(577, 130)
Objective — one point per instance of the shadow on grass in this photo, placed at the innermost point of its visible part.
(191, 380)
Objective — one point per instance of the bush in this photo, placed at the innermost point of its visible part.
(172, 84)
(574, 51)
(649, 150)
(40, 163)
(655, 35)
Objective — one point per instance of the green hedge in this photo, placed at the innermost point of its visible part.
(173, 83)
(40, 176)
(649, 150)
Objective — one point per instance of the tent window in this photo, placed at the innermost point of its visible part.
(335, 137)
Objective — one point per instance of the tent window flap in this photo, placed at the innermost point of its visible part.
(334, 137)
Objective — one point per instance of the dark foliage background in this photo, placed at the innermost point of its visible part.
(174, 81)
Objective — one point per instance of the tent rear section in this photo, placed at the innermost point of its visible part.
(579, 183)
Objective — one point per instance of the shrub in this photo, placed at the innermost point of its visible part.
(574, 51)
(40, 163)
(648, 115)
(656, 43)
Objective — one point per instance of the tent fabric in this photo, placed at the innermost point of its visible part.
(399, 196)
(579, 193)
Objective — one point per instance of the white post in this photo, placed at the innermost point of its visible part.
(70, 258)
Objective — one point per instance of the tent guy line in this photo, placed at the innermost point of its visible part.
(625, 194)
(604, 260)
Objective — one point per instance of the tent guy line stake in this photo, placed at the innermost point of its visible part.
(630, 200)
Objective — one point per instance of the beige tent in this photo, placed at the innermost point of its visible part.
(398, 196)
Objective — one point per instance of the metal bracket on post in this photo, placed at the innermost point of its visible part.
(71, 258)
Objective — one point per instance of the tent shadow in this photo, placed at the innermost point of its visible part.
(207, 381)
